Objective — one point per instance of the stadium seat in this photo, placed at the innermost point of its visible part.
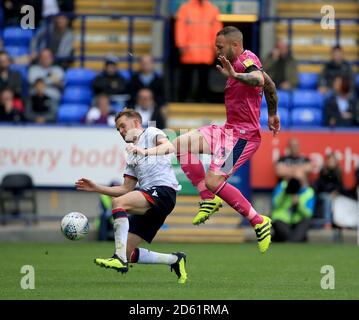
(71, 113)
(283, 99)
(79, 77)
(17, 51)
(126, 74)
(82, 95)
(306, 117)
(18, 189)
(306, 98)
(357, 81)
(16, 36)
(308, 80)
(283, 114)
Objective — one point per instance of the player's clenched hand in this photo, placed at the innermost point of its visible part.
(274, 124)
(227, 68)
(135, 150)
(85, 185)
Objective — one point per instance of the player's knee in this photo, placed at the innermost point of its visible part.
(118, 203)
(130, 250)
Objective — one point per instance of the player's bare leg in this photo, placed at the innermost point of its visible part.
(176, 260)
(132, 202)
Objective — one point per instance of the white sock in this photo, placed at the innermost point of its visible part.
(121, 233)
(150, 257)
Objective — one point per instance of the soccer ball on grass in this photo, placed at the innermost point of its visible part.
(75, 226)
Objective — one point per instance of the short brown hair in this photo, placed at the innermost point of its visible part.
(230, 31)
(129, 113)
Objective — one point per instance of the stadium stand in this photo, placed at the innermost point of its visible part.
(82, 95)
(312, 42)
(71, 113)
(108, 36)
(303, 98)
(308, 80)
(79, 77)
(306, 116)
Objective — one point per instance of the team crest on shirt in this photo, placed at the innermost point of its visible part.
(248, 62)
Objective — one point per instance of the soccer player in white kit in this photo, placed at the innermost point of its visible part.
(149, 165)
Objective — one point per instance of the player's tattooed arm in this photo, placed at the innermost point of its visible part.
(270, 94)
(254, 78)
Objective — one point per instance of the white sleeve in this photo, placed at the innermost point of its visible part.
(129, 171)
(154, 134)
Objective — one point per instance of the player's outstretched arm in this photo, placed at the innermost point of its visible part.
(254, 78)
(163, 147)
(271, 97)
(84, 184)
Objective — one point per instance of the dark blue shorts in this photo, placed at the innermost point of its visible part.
(163, 200)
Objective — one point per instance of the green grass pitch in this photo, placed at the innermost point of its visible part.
(216, 271)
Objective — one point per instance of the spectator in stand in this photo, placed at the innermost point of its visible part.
(337, 66)
(40, 107)
(42, 8)
(328, 185)
(50, 7)
(282, 67)
(52, 74)
(147, 77)
(293, 164)
(101, 113)
(196, 27)
(8, 110)
(341, 108)
(110, 81)
(292, 209)
(58, 38)
(146, 107)
(8, 78)
(11, 9)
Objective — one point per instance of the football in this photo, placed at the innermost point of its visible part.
(75, 226)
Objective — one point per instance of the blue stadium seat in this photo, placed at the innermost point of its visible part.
(306, 117)
(283, 99)
(71, 113)
(284, 117)
(16, 36)
(82, 95)
(79, 77)
(306, 98)
(17, 51)
(117, 107)
(283, 114)
(357, 80)
(308, 80)
(126, 74)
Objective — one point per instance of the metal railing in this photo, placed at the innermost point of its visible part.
(290, 22)
(130, 58)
